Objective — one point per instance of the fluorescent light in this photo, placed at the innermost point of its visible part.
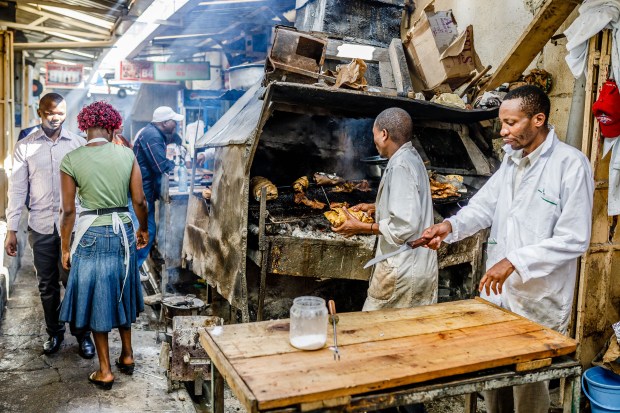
(83, 17)
(75, 52)
(181, 36)
(64, 62)
(140, 30)
(209, 3)
(67, 36)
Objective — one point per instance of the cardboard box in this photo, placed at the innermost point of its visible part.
(438, 53)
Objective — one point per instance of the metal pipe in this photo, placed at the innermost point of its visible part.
(574, 131)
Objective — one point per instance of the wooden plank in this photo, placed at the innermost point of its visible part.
(247, 340)
(533, 365)
(546, 22)
(399, 66)
(471, 402)
(302, 377)
(380, 350)
(386, 75)
(237, 385)
(590, 94)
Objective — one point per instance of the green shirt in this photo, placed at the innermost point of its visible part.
(102, 175)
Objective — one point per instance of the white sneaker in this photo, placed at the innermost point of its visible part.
(143, 276)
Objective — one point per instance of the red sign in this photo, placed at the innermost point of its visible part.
(140, 71)
(63, 76)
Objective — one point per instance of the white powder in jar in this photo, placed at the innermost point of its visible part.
(309, 341)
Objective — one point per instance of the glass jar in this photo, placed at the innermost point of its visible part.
(308, 330)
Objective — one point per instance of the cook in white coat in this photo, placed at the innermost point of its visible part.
(402, 210)
(539, 207)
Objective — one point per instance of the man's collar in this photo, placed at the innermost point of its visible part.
(63, 134)
(546, 145)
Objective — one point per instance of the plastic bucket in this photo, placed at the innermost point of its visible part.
(603, 389)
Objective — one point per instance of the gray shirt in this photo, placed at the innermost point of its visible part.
(36, 163)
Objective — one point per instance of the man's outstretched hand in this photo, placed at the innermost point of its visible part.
(436, 234)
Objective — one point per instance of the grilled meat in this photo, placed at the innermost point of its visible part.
(257, 183)
(301, 184)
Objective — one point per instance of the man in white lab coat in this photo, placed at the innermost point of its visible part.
(539, 207)
(403, 209)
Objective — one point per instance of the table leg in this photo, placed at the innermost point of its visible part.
(572, 394)
(471, 402)
(217, 390)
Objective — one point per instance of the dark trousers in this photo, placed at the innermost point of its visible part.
(48, 266)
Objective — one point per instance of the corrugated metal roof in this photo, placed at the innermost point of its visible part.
(66, 21)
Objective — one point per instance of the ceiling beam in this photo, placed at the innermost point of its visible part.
(38, 21)
(64, 45)
(67, 20)
(50, 30)
(117, 11)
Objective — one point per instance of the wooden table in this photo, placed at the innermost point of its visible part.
(389, 358)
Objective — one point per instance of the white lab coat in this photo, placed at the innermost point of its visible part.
(542, 230)
(404, 208)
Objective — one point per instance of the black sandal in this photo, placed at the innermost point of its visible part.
(125, 368)
(105, 385)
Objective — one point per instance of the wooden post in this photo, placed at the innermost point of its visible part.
(7, 112)
(599, 278)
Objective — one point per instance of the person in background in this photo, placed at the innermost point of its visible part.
(539, 208)
(150, 150)
(403, 209)
(27, 131)
(119, 139)
(36, 173)
(104, 290)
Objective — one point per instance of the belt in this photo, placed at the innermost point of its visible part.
(104, 211)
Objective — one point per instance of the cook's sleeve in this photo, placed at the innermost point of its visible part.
(155, 151)
(478, 213)
(571, 234)
(18, 187)
(402, 220)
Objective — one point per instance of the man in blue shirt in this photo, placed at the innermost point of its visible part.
(150, 150)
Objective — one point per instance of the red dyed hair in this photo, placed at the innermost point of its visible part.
(99, 115)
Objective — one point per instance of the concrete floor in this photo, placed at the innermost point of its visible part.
(33, 382)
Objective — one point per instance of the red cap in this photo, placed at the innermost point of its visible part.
(607, 110)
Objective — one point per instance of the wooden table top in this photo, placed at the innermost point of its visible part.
(379, 350)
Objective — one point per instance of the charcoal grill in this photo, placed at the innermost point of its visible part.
(286, 130)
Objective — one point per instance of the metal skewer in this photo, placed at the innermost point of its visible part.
(334, 319)
(328, 203)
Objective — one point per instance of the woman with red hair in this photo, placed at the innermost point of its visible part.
(103, 291)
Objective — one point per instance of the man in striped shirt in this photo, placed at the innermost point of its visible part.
(36, 172)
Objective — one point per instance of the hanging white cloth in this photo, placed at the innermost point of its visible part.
(613, 196)
(594, 16)
(86, 221)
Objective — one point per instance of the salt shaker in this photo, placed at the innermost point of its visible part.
(308, 329)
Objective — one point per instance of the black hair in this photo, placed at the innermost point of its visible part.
(533, 101)
(397, 123)
(51, 97)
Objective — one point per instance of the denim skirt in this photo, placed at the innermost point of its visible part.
(93, 298)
